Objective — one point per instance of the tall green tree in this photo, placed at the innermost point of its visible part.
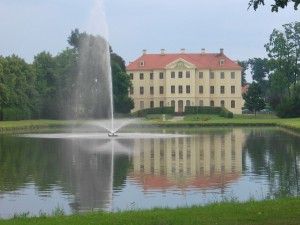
(284, 52)
(46, 81)
(18, 92)
(276, 5)
(66, 84)
(259, 69)
(253, 98)
(244, 65)
(121, 83)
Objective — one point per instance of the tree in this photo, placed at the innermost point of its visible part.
(44, 66)
(253, 98)
(121, 83)
(277, 4)
(259, 69)
(244, 65)
(284, 52)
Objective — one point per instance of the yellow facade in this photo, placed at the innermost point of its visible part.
(181, 83)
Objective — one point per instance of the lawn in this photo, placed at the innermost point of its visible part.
(271, 212)
(189, 120)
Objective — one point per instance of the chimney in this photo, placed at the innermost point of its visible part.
(202, 51)
(144, 51)
(221, 51)
(162, 51)
(182, 51)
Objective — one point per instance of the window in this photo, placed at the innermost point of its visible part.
(211, 75)
(161, 75)
(222, 75)
(222, 62)
(200, 89)
(212, 103)
(151, 76)
(188, 89)
(232, 104)
(142, 63)
(180, 89)
(188, 102)
(131, 76)
(232, 75)
(141, 90)
(212, 89)
(201, 103)
(142, 104)
(222, 89)
(200, 75)
(188, 74)
(151, 90)
(172, 74)
(161, 89)
(151, 104)
(173, 103)
(141, 76)
(232, 89)
(131, 90)
(161, 103)
(172, 89)
(222, 103)
(179, 74)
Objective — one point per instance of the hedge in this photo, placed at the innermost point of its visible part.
(156, 110)
(223, 112)
(12, 114)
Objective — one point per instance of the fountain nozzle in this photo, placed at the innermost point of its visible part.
(112, 134)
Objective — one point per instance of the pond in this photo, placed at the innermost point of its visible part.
(152, 168)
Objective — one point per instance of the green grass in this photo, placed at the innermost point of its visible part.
(238, 120)
(189, 120)
(269, 212)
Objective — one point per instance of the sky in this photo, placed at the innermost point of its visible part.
(28, 27)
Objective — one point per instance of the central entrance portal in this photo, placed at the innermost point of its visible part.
(180, 106)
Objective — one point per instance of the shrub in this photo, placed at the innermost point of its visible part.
(156, 110)
(289, 108)
(11, 114)
(223, 112)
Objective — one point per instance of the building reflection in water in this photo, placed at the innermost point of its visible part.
(202, 161)
(185, 162)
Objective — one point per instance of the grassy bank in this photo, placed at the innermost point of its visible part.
(190, 120)
(271, 212)
(238, 120)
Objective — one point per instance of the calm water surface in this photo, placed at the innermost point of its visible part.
(189, 167)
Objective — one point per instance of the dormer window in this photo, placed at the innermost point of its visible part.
(222, 62)
(142, 63)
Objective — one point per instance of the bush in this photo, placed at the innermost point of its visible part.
(289, 108)
(223, 112)
(157, 110)
(12, 114)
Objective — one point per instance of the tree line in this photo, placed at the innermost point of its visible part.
(46, 88)
(276, 79)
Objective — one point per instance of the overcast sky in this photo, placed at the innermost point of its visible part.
(29, 27)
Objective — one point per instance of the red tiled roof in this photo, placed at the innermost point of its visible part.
(158, 182)
(201, 61)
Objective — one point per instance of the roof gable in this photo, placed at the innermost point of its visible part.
(180, 64)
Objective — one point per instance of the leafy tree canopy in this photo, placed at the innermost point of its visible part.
(253, 98)
(276, 5)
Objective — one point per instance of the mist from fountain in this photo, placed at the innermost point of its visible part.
(94, 95)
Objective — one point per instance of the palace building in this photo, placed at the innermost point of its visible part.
(185, 79)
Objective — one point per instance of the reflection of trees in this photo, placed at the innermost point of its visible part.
(22, 161)
(48, 163)
(275, 154)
